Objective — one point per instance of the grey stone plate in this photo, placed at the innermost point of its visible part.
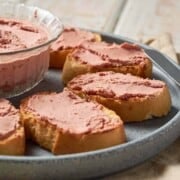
(145, 139)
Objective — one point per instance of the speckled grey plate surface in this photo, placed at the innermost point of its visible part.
(145, 139)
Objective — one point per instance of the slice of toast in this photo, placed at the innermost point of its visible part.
(132, 98)
(12, 137)
(64, 123)
(100, 56)
(70, 39)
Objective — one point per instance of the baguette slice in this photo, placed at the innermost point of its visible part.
(100, 56)
(64, 123)
(70, 39)
(132, 98)
(12, 137)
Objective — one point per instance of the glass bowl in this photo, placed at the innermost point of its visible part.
(22, 69)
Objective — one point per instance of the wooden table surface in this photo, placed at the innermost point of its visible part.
(136, 19)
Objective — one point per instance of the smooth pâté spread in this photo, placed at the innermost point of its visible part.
(102, 54)
(9, 119)
(70, 113)
(18, 70)
(116, 85)
(18, 35)
(72, 38)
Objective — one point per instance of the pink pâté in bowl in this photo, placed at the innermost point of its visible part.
(25, 35)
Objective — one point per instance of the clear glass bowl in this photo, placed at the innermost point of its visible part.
(22, 69)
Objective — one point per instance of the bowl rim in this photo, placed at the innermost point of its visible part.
(42, 44)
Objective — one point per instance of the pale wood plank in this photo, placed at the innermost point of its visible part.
(92, 14)
(142, 19)
(12, 1)
(164, 44)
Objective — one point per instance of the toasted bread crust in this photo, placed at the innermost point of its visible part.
(58, 58)
(73, 67)
(58, 142)
(13, 144)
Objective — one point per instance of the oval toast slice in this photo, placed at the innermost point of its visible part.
(70, 39)
(101, 56)
(132, 98)
(65, 123)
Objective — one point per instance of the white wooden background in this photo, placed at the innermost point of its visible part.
(146, 18)
(137, 19)
(94, 14)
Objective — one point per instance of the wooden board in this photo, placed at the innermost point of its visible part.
(142, 19)
(92, 14)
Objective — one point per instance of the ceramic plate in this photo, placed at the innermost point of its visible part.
(145, 139)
